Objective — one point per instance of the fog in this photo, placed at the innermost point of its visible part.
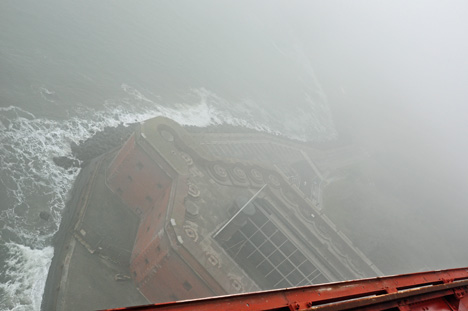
(395, 76)
(386, 77)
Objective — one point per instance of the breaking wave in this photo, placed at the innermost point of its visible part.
(26, 271)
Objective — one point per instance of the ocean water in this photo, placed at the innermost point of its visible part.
(67, 70)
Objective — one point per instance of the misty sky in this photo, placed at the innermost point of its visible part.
(402, 71)
(395, 73)
(396, 77)
(394, 62)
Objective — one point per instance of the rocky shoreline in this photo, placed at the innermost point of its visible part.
(113, 137)
(98, 144)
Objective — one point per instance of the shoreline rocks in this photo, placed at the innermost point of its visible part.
(100, 143)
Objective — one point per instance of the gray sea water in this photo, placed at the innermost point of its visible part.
(71, 68)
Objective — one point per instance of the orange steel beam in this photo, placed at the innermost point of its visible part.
(425, 291)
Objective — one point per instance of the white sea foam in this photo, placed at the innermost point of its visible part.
(47, 94)
(26, 270)
(311, 122)
(34, 183)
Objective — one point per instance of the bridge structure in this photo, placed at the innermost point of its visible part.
(444, 290)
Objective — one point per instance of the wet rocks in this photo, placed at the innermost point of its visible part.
(66, 162)
(100, 143)
(44, 215)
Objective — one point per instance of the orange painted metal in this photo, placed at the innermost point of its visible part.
(423, 291)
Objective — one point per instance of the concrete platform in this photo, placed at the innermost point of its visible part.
(90, 271)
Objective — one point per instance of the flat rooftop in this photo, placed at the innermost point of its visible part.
(90, 266)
